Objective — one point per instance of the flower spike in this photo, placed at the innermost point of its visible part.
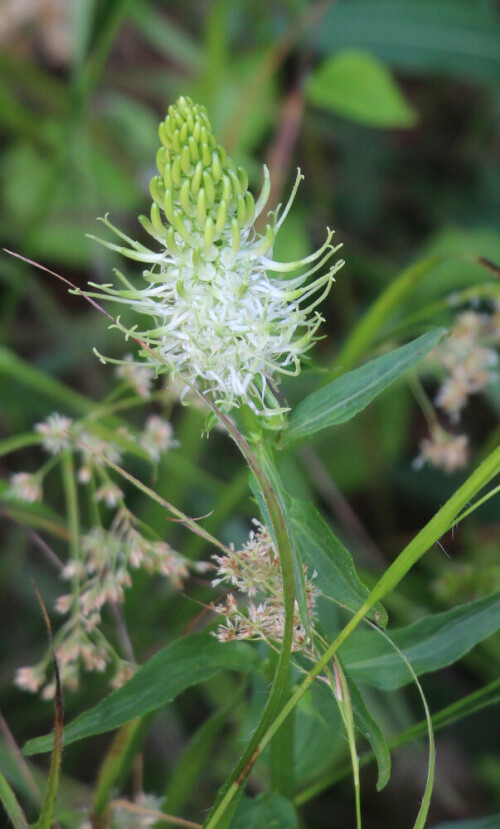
(221, 315)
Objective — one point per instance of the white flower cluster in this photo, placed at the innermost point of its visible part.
(443, 450)
(223, 316)
(101, 571)
(468, 359)
(255, 571)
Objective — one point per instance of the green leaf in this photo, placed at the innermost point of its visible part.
(344, 397)
(11, 805)
(490, 822)
(452, 37)
(321, 550)
(180, 665)
(429, 644)
(269, 809)
(358, 86)
(373, 733)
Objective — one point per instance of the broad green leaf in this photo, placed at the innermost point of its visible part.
(358, 86)
(11, 805)
(490, 822)
(269, 810)
(373, 733)
(429, 644)
(344, 397)
(452, 37)
(321, 550)
(180, 665)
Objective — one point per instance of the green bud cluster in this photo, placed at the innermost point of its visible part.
(199, 188)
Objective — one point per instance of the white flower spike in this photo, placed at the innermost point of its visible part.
(221, 315)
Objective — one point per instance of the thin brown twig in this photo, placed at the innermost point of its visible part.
(282, 148)
(268, 66)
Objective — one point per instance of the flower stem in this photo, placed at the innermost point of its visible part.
(243, 768)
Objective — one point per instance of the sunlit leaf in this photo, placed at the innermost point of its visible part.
(358, 86)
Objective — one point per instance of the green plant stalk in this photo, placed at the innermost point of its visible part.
(50, 796)
(71, 497)
(345, 705)
(423, 401)
(240, 773)
(428, 536)
(282, 749)
(477, 504)
(180, 516)
(12, 806)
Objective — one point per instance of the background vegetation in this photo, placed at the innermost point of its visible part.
(389, 107)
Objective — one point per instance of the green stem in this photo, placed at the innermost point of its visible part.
(253, 750)
(71, 496)
(423, 401)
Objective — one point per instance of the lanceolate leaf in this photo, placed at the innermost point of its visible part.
(344, 397)
(185, 663)
(321, 550)
(429, 644)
